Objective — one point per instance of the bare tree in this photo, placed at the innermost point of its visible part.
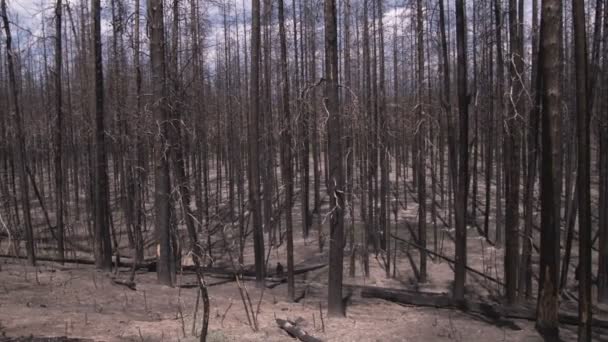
(254, 140)
(58, 131)
(335, 304)
(583, 180)
(463, 155)
(549, 70)
(286, 153)
(162, 184)
(21, 153)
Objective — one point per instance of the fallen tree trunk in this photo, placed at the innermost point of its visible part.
(80, 261)
(472, 270)
(229, 276)
(151, 267)
(439, 300)
(294, 331)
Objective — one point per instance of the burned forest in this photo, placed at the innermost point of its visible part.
(307, 170)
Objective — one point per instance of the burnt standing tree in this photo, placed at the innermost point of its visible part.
(331, 103)
(548, 77)
(162, 184)
(21, 152)
(239, 147)
(583, 173)
(463, 155)
(254, 142)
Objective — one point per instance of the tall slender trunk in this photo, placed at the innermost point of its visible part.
(548, 75)
(421, 143)
(512, 155)
(286, 153)
(254, 141)
(103, 246)
(162, 184)
(21, 154)
(335, 305)
(602, 272)
(584, 198)
(463, 154)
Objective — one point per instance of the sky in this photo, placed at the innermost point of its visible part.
(26, 16)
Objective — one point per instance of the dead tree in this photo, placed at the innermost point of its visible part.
(463, 155)
(21, 153)
(254, 141)
(335, 304)
(58, 131)
(548, 305)
(162, 185)
(583, 174)
(286, 153)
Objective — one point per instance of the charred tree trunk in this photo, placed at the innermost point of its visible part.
(463, 154)
(254, 140)
(21, 154)
(335, 305)
(286, 153)
(583, 174)
(58, 131)
(103, 246)
(162, 184)
(549, 70)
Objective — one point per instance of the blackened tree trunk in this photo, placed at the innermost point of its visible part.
(584, 211)
(549, 70)
(420, 142)
(335, 305)
(254, 137)
(138, 169)
(525, 275)
(103, 246)
(512, 155)
(446, 101)
(162, 184)
(383, 147)
(602, 272)
(286, 153)
(463, 155)
(21, 155)
(500, 73)
(58, 132)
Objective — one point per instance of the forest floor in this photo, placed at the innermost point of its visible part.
(77, 301)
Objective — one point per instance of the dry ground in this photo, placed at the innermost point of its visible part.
(77, 301)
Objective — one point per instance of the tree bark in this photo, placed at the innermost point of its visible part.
(286, 152)
(549, 69)
(335, 304)
(421, 143)
(254, 140)
(103, 246)
(58, 130)
(512, 155)
(583, 176)
(21, 153)
(463, 163)
(162, 183)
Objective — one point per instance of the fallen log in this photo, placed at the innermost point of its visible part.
(472, 270)
(294, 331)
(80, 261)
(229, 276)
(32, 338)
(129, 284)
(496, 312)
